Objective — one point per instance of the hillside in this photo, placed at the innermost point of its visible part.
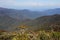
(45, 23)
(7, 23)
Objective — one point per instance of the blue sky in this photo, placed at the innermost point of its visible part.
(30, 4)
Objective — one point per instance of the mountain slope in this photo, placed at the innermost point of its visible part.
(8, 23)
(46, 23)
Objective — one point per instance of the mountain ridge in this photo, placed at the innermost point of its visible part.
(26, 14)
(45, 23)
(11, 18)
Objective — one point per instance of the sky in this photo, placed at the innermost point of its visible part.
(30, 4)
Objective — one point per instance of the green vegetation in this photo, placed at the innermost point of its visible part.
(40, 35)
(41, 28)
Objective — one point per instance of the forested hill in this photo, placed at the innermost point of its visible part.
(46, 23)
(8, 23)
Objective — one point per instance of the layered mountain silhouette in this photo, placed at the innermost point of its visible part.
(28, 14)
(12, 18)
(20, 14)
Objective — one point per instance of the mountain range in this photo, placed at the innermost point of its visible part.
(28, 14)
(12, 18)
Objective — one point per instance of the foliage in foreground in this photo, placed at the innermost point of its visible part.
(41, 35)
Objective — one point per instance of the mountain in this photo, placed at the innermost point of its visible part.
(7, 23)
(11, 18)
(28, 14)
(52, 11)
(20, 14)
(45, 23)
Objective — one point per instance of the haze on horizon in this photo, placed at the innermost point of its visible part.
(30, 4)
